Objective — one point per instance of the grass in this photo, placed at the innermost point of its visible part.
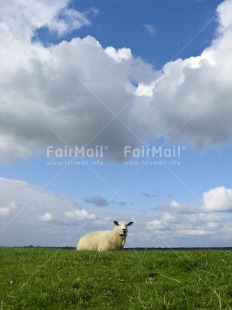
(43, 278)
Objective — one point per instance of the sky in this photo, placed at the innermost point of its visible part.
(116, 110)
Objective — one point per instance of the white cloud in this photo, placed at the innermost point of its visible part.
(80, 215)
(47, 217)
(224, 15)
(68, 21)
(191, 230)
(163, 223)
(118, 55)
(167, 217)
(156, 225)
(145, 90)
(218, 199)
(19, 21)
(21, 18)
(199, 225)
(78, 93)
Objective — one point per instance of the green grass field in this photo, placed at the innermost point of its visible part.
(43, 278)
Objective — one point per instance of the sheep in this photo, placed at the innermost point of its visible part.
(105, 240)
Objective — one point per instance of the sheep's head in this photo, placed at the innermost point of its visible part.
(121, 227)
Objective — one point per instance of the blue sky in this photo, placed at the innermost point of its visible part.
(147, 75)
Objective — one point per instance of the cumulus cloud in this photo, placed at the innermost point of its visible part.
(80, 215)
(71, 99)
(191, 230)
(68, 21)
(19, 23)
(118, 55)
(209, 219)
(161, 224)
(156, 225)
(218, 199)
(47, 217)
(22, 18)
(97, 201)
(79, 93)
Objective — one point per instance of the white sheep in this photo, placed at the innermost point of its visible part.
(105, 240)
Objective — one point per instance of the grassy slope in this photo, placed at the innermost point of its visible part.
(36, 278)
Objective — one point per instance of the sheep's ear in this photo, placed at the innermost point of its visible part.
(129, 224)
(115, 223)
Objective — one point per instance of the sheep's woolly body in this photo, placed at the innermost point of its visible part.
(100, 241)
(103, 240)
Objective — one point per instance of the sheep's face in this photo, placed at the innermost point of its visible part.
(121, 227)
